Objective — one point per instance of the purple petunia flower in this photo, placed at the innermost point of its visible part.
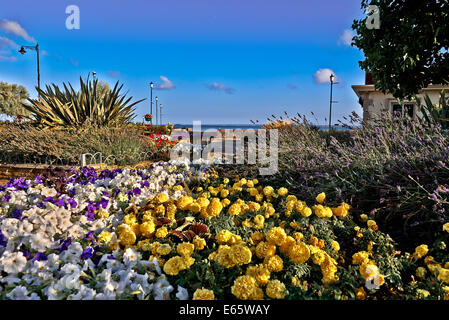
(137, 191)
(65, 244)
(40, 257)
(3, 241)
(104, 203)
(26, 254)
(87, 253)
(17, 214)
(6, 198)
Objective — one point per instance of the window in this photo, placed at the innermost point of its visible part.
(399, 111)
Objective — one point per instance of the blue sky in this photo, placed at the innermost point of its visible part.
(215, 61)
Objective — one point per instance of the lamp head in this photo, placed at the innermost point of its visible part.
(151, 84)
(22, 50)
(332, 77)
(157, 98)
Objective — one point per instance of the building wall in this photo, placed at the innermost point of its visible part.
(375, 103)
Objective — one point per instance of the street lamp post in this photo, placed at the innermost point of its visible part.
(151, 98)
(330, 101)
(36, 48)
(156, 108)
(160, 114)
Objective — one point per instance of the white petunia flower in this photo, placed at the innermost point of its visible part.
(13, 262)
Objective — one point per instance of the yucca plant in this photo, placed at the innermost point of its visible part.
(72, 109)
(432, 114)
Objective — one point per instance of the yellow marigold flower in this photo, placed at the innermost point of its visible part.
(214, 208)
(276, 289)
(268, 191)
(185, 248)
(259, 197)
(276, 236)
(290, 205)
(224, 193)
(225, 202)
(223, 236)
(184, 202)
(370, 246)
(253, 192)
(255, 181)
(127, 237)
(360, 257)
(199, 243)
(428, 260)
(318, 257)
(225, 180)
(421, 251)
(313, 241)
(161, 198)
(360, 294)
(342, 210)
(335, 245)
(234, 209)
(194, 207)
(372, 225)
(291, 197)
(144, 245)
(244, 287)
(321, 197)
(257, 237)
(446, 265)
(104, 236)
(240, 254)
(299, 253)
(443, 275)
(171, 211)
(265, 249)
(282, 191)
(250, 184)
(161, 232)
(295, 281)
(147, 229)
(174, 265)
(163, 249)
(203, 202)
(274, 263)
(421, 273)
(254, 206)
(446, 227)
(203, 294)
(154, 246)
(178, 188)
(306, 212)
(259, 221)
(129, 219)
(259, 272)
(298, 236)
(363, 217)
(287, 244)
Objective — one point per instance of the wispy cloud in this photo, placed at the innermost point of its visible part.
(6, 43)
(45, 53)
(220, 87)
(74, 62)
(323, 76)
(3, 58)
(291, 86)
(16, 29)
(114, 74)
(165, 85)
(346, 37)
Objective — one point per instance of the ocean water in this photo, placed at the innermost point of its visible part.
(241, 126)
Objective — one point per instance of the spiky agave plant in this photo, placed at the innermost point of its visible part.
(72, 109)
(433, 114)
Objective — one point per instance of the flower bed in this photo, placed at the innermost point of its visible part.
(178, 232)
